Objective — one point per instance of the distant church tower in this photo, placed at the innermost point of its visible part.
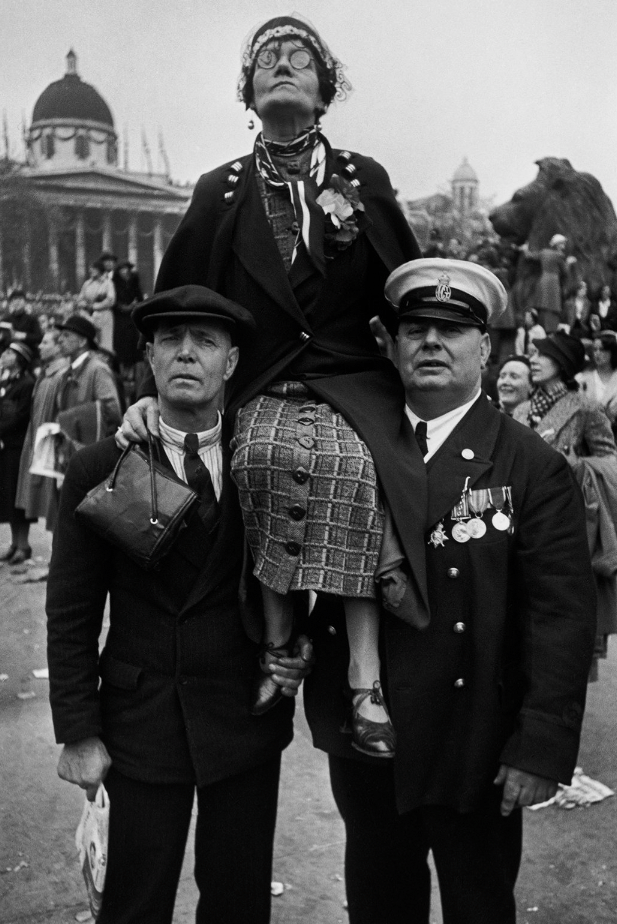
(465, 189)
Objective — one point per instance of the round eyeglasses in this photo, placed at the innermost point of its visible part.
(299, 59)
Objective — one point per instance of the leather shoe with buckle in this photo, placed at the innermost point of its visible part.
(267, 692)
(377, 739)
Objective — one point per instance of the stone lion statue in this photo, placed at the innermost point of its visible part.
(561, 201)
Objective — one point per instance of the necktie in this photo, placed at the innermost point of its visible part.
(420, 432)
(199, 479)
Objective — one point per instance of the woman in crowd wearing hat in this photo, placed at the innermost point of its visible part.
(37, 495)
(305, 236)
(553, 275)
(579, 428)
(600, 383)
(97, 297)
(16, 385)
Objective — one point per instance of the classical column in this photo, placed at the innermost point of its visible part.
(157, 243)
(107, 232)
(133, 239)
(53, 254)
(80, 248)
(26, 256)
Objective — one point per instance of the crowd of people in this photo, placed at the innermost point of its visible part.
(364, 520)
(53, 370)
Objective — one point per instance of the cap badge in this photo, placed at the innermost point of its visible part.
(443, 292)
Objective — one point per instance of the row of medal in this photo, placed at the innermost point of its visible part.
(468, 527)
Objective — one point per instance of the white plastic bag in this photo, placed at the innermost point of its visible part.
(91, 839)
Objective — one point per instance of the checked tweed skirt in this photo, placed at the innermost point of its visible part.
(309, 495)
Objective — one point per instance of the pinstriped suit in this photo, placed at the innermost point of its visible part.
(173, 705)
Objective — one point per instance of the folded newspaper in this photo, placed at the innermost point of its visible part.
(582, 791)
(51, 452)
(91, 840)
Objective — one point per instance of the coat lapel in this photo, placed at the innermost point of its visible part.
(557, 418)
(449, 469)
(228, 545)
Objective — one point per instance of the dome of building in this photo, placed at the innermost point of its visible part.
(465, 173)
(71, 99)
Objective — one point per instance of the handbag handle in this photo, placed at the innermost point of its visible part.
(111, 482)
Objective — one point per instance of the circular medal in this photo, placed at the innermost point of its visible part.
(459, 532)
(476, 528)
(501, 521)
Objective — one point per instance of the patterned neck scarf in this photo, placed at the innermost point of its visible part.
(543, 399)
(310, 217)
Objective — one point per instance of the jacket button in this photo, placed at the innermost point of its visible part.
(297, 512)
(307, 442)
(459, 627)
(459, 683)
(453, 573)
(292, 548)
(331, 630)
(300, 476)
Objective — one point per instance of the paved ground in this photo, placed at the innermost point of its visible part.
(569, 875)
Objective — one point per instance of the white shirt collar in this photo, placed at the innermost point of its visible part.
(80, 360)
(439, 428)
(175, 438)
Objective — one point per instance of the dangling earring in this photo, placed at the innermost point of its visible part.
(251, 125)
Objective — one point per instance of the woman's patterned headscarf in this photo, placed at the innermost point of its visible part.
(289, 26)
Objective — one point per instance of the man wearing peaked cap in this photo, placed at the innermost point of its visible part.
(171, 716)
(192, 303)
(487, 700)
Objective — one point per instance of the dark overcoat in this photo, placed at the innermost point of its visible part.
(177, 667)
(500, 673)
(310, 327)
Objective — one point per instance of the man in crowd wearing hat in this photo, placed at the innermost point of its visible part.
(487, 698)
(88, 406)
(173, 710)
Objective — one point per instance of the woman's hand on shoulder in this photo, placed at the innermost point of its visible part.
(139, 419)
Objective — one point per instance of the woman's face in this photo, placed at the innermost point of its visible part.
(543, 368)
(601, 357)
(514, 384)
(8, 360)
(282, 89)
(606, 292)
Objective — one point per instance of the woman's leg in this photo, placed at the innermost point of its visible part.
(278, 615)
(362, 618)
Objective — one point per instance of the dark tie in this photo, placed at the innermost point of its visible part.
(420, 432)
(199, 479)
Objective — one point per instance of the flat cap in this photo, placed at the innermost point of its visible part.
(451, 290)
(82, 326)
(191, 303)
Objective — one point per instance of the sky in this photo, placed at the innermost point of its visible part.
(501, 82)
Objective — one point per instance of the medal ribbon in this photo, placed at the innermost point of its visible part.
(498, 498)
(303, 193)
(478, 502)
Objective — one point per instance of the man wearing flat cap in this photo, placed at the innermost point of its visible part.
(87, 403)
(487, 699)
(171, 715)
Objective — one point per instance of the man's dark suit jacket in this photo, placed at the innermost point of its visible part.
(311, 327)
(177, 667)
(500, 674)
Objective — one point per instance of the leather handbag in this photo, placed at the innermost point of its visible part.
(140, 508)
